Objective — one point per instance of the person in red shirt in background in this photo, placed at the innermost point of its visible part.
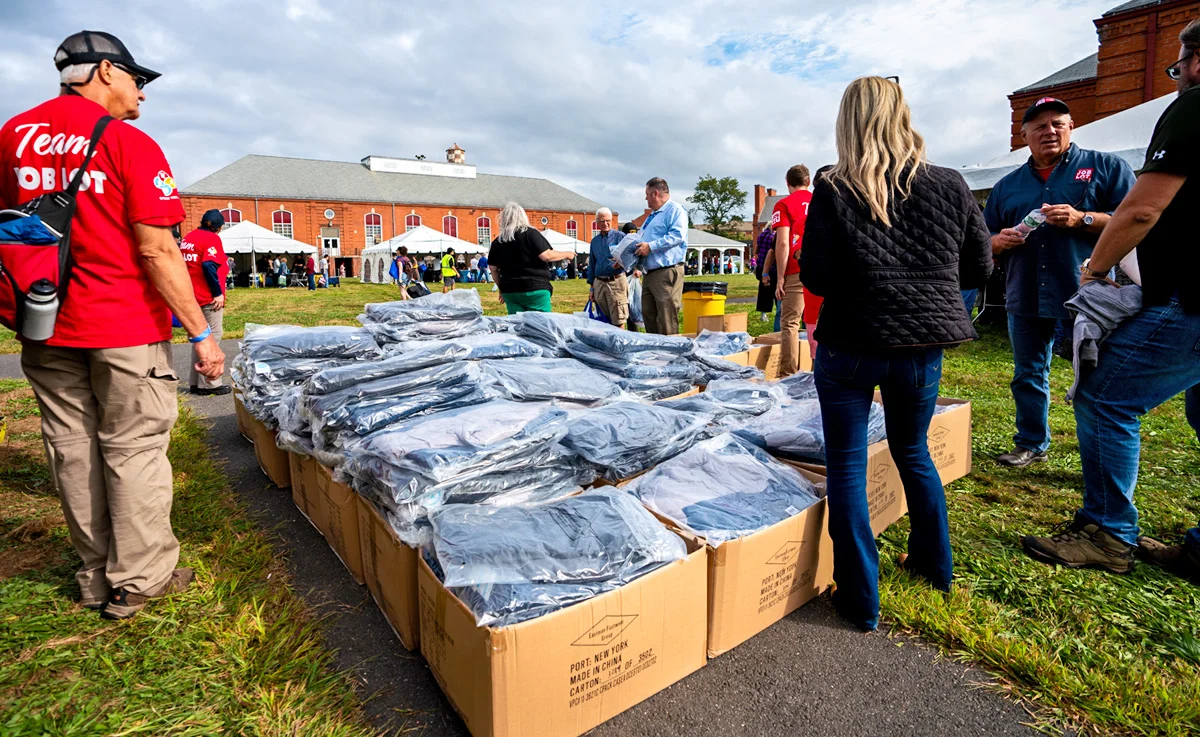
(310, 268)
(788, 222)
(104, 381)
(206, 263)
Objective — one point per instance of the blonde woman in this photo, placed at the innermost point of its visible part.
(518, 262)
(889, 242)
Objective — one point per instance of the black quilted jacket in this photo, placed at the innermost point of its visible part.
(899, 286)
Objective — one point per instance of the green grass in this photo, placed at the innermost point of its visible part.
(1114, 654)
(238, 653)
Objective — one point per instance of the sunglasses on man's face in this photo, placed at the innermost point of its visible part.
(1175, 71)
(138, 80)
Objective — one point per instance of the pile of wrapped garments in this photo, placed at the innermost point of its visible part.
(432, 317)
(544, 379)
(625, 438)
(653, 366)
(551, 330)
(495, 449)
(732, 401)
(512, 564)
(481, 347)
(724, 488)
(277, 357)
(793, 430)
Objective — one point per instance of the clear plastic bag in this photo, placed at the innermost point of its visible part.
(550, 330)
(727, 397)
(623, 342)
(624, 251)
(600, 535)
(714, 368)
(460, 304)
(640, 365)
(625, 438)
(800, 385)
(723, 488)
(482, 347)
(388, 332)
(415, 356)
(794, 430)
(712, 343)
(334, 409)
(652, 390)
(286, 342)
(543, 379)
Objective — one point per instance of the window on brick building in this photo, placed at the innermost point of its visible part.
(412, 222)
(281, 223)
(450, 226)
(373, 227)
(595, 228)
(572, 228)
(483, 228)
(232, 217)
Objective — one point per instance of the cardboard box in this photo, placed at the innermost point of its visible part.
(341, 521)
(737, 322)
(757, 580)
(950, 440)
(564, 673)
(771, 356)
(885, 492)
(305, 492)
(243, 417)
(390, 572)
(273, 461)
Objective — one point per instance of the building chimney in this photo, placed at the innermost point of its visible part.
(759, 200)
(770, 193)
(456, 155)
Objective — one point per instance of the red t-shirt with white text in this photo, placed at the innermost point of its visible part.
(198, 247)
(792, 211)
(111, 302)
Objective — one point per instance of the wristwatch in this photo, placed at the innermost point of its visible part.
(1094, 274)
(1088, 219)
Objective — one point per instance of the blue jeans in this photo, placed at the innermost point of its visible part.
(778, 314)
(1191, 403)
(1148, 359)
(908, 380)
(312, 281)
(1032, 343)
(969, 296)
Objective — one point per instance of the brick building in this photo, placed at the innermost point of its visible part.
(1137, 41)
(342, 207)
(764, 205)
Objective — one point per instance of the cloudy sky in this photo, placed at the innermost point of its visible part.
(597, 96)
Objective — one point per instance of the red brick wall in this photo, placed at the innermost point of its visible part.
(308, 218)
(1130, 69)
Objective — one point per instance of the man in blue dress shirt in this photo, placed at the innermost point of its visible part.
(1077, 191)
(609, 287)
(664, 243)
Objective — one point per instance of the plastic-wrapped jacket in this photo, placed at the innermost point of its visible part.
(415, 356)
(800, 385)
(331, 410)
(653, 390)
(712, 343)
(724, 488)
(713, 368)
(332, 341)
(550, 330)
(794, 430)
(600, 535)
(543, 379)
(621, 342)
(641, 365)
(626, 438)
(460, 304)
(482, 347)
(731, 397)
(387, 332)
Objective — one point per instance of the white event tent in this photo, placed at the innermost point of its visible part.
(564, 242)
(251, 240)
(421, 240)
(703, 242)
(1125, 134)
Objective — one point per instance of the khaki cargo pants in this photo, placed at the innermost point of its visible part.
(662, 298)
(106, 421)
(790, 313)
(216, 323)
(612, 297)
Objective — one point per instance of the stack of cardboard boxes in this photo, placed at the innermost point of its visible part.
(567, 672)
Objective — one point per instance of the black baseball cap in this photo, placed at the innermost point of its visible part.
(1045, 103)
(93, 47)
(213, 218)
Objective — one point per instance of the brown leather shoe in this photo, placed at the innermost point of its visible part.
(1081, 544)
(123, 604)
(1177, 559)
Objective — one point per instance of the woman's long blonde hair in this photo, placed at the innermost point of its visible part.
(879, 153)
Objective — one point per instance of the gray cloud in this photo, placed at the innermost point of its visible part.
(595, 96)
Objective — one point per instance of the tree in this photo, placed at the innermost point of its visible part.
(719, 201)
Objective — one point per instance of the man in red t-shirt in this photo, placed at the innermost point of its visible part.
(788, 221)
(103, 381)
(205, 258)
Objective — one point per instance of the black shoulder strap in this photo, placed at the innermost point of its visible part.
(77, 180)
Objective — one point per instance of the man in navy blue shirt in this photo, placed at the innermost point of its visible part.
(1076, 190)
(609, 287)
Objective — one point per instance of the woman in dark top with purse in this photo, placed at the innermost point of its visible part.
(889, 242)
(518, 259)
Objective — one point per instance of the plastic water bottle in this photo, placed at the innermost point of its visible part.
(41, 311)
(1032, 222)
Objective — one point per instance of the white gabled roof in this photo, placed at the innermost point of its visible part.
(248, 237)
(420, 240)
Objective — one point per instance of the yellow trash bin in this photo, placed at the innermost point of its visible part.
(700, 299)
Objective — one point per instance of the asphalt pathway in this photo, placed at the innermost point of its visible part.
(808, 674)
